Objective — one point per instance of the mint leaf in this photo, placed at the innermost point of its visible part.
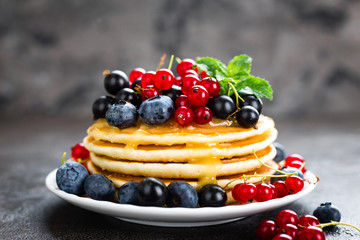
(213, 67)
(225, 87)
(239, 66)
(260, 87)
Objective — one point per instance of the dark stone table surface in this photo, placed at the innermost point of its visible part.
(30, 147)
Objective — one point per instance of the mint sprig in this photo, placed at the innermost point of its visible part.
(237, 72)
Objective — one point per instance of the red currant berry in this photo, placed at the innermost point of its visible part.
(149, 92)
(294, 183)
(191, 72)
(184, 116)
(198, 96)
(293, 157)
(212, 85)
(289, 229)
(308, 220)
(164, 79)
(136, 73)
(202, 115)
(286, 216)
(203, 74)
(282, 236)
(266, 230)
(188, 82)
(297, 164)
(264, 192)
(184, 65)
(274, 191)
(148, 79)
(182, 101)
(178, 81)
(311, 233)
(79, 151)
(281, 188)
(244, 192)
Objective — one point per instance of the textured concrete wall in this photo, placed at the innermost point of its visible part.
(52, 53)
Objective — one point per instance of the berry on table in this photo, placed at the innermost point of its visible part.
(122, 115)
(115, 81)
(244, 192)
(101, 105)
(282, 236)
(184, 116)
(70, 177)
(202, 115)
(182, 194)
(148, 79)
(156, 110)
(164, 79)
(136, 73)
(99, 187)
(327, 212)
(312, 233)
(247, 117)
(294, 183)
(184, 65)
(152, 192)
(128, 193)
(149, 92)
(266, 230)
(198, 96)
(79, 151)
(212, 195)
(222, 106)
(263, 193)
(287, 216)
(289, 229)
(308, 220)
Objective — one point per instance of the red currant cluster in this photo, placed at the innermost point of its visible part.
(196, 89)
(262, 192)
(80, 154)
(288, 226)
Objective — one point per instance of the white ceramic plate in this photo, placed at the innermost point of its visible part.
(177, 217)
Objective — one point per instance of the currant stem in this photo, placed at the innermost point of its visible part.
(277, 170)
(237, 96)
(333, 223)
(171, 61)
(178, 60)
(63, 158)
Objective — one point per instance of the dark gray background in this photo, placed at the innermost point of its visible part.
(52, 54)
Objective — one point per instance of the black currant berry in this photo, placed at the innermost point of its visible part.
(247, 117)
(249, 100)
(212, 195)
(128, 95)
(115, 81)
(101, 105)
(152, 192)
(222, 106)
(136, 84)
(174, 92)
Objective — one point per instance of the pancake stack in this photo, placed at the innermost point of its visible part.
(219, 152)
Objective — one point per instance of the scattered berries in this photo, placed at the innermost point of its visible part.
(266, 230)
(327, 212)
(287, 216)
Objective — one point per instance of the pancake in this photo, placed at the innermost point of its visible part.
(195, 169)
(180, 152)
(171, 133)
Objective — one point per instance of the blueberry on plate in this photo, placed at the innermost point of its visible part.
(122, 115)
(101, 105)
(182, 194)
(156, 110)
(327, 212)
(212, 195)
(128, 193)
(115, 81)
(287, 170)
(70, 177)
(152, 192)
(99, 187)
(280, 152)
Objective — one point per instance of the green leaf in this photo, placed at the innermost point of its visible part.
(260, 87)
(213, 67)
(225, 87)
(239, 66)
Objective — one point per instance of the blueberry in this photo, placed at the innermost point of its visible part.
(128, 95)
(212, 195)
(152, 192)
(174, 92)
(287, 170)
(327, 213)
(101, 105)
(280, 152)
(115, 81)
(122, 115)
(247, 117)
(99, 187)
(128, 193)
(222, 106)
(182, 194)
(70, 177)
(156, 110)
